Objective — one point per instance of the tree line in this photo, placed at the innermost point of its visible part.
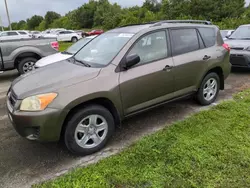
(227, 14)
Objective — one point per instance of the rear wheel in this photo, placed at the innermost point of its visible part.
(26, 65)
(88, 130)
(74, 39)
(209, 89)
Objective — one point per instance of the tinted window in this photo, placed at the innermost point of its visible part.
(68, 32)
(12, 33)
(208, 35)
(151, 47)
(184, 41)
(22, 33)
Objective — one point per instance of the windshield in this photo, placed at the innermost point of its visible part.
(241, 33)
(223, 33)
(103, 49)
(78, 45)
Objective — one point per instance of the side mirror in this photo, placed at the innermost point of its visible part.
(131, 60)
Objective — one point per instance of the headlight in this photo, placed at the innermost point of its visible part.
(38, 102)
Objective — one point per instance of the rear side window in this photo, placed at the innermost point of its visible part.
(184, 41)
(12, 33)
(208, 35)
(22, 33)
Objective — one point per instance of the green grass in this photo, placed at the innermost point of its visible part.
(64, 45)
(208, 149)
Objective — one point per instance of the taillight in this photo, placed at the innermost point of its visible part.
(55, 45)
(226, 47)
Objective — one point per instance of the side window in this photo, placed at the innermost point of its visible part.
(151, 47)
(12, 33)
(208, 35)
(184, 41)
(22, 33)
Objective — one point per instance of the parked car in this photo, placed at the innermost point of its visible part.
(22, 55)
(112, 78)
(226, 33)
(95, 32)
(64, 55)
(14, 35)
(68, 36)
(239, 42)
(36, 34)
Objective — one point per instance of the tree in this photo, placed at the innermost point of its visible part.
(22, 24)
(50, 17)
(34, 22)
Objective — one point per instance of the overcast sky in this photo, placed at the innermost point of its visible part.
(23, 9)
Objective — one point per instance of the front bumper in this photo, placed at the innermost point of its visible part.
(43, 126)
(240, 58)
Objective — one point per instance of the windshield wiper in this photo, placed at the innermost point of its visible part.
(82, 62)
(65, 52)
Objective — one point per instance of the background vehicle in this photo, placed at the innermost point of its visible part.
(113, 77)
(36, 34)
(95, 32)
(64, 55)
(22, 55)
(68, 36)
(239, 42)
(226, 33)
(14, 35)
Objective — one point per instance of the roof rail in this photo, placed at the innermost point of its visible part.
(183, 21)
(153, 22)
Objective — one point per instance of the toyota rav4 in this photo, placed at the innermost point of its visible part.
(118, 74)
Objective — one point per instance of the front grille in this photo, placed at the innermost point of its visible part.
(12, 98)
(237, 48)
(238, 60)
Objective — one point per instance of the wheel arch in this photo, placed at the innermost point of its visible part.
(218, 70)
(105, 102)
(20, 56)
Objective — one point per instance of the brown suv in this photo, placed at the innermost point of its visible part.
(118, 74)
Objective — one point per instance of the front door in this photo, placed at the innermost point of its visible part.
(151, 81)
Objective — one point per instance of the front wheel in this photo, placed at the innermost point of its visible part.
(88, 130)
(209, 89)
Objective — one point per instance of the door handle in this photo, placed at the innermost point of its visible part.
(206, 57)
(167, 68)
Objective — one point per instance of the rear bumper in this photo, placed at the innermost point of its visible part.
(240, 58)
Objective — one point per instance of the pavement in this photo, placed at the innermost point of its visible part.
(23, 163)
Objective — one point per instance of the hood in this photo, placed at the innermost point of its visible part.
(238, 43)
(52, 59)
(51, 78)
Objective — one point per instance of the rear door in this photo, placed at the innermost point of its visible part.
(190, 58)
(61, 36)
(149, 82)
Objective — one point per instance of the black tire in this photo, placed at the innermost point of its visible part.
(69, 133)
(200, 96)
(74, 39)
(20, 66)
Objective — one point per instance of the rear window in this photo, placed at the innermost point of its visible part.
(208, 35)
